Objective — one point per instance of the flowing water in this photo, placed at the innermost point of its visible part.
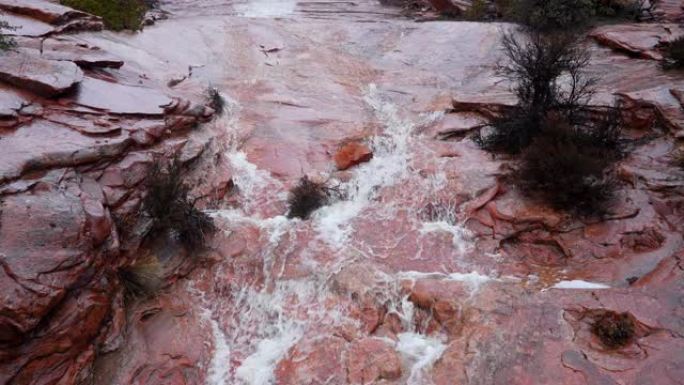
(262, 320)
(296, 88)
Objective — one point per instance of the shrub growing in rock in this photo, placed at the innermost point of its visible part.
(569, 167)
(674, 53)
(116, 14)
(535, 67)
(479, 11)
(215, 100)
(142, 279)
(548, 15)
(168, 205)
(615, 330)
(308, 196)
(6, 42)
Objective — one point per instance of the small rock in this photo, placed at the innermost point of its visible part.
(352, 154)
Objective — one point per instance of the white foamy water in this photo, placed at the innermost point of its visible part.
(473, 279)
(579, 284)
(421, 352)
(389, 165)
(258, 368)
(262, 320)
(458, 233)
(219, 368)
(266, 8)
(257, 187)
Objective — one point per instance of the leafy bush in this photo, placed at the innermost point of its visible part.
(168, 205)
(674, 53)
(6, 42)
(308, 196)
(535, 67)
(569, 167)
(615, 330)
(117, 14)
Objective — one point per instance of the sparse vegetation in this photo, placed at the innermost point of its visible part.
(168, 205)
(116, 14)
(142, 279)
(308, 196)
(479, 11)
(677, 158)
(569, 168)
(560, 15)
(535, 68)
(615, 330)
(674, 53)
(6, 41)
(548, 15)
(636, 10)
(567, 152)
(215, 100)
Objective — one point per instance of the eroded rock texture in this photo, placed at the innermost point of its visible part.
(76, 140)
(431, 269)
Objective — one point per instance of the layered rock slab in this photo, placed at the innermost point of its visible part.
(47, 78)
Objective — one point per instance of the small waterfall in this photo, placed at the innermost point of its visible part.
(389, 165)
(421, 352)
(262, 320)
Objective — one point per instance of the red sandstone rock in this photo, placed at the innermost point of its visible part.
(44, 10)
(70, 49)
(44, 77)
(121, 98)
(371, 360)
(352, 154)
(317, 361)
(58, 282)
(638, 40)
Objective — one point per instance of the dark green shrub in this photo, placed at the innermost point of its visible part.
(308, 196)
(168, 205)
(548, 15)
(636, 10)
(674, 53)
(117, 14)
(511, 132)
(570, 167)
(479, 11)
(6, 42)
(615, 330)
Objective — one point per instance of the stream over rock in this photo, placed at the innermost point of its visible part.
(431, 269)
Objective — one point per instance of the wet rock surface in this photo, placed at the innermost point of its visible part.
(45, 78)
(431, 269)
